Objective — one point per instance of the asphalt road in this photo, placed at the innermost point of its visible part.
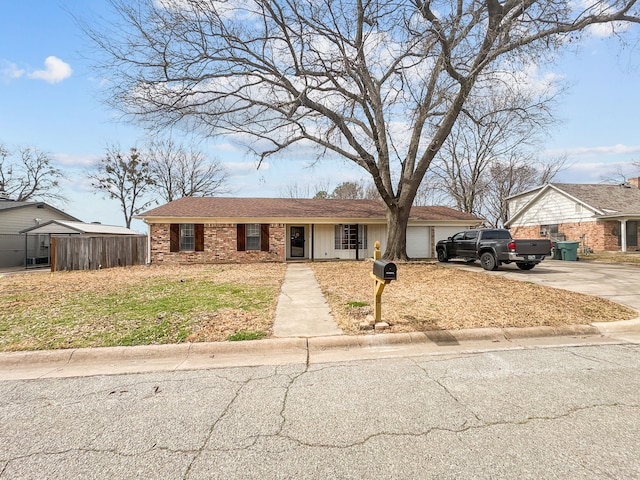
(551, 412)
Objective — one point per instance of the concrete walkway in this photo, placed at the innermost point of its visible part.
(302, 310)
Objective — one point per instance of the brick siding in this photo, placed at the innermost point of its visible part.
(601, 235)
(219, 246)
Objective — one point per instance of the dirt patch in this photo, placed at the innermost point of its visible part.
(431, 297)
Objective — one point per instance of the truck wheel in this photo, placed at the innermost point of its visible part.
(525, 266)
(442, 255)
(488, 261)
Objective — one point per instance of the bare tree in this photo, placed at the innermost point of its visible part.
(515, 175)
(124, 177)
(501, 132)
(622, 174)
(348, 191)
(30, 176)
(379, 83)
(297, 190)
(180, 172)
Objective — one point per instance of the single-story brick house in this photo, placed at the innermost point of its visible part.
(601, 217)
(223, 229)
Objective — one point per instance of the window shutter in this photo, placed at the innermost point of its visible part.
(198, 229)
(174, 237)
(241, 237)
(264, 237)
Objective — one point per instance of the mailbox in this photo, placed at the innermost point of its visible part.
(385, 270)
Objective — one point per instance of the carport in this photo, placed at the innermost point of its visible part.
(37, 240)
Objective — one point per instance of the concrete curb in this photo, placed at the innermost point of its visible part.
(279, 351)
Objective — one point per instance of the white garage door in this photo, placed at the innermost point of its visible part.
(418, 242)
(442, 233)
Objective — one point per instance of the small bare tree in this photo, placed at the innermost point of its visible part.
(381, 84)
(30, 176)
(489, 152)
(515, 175)
(180, 172)
(125, 178)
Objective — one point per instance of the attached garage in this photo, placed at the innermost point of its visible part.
(442, 233)
(419, 242)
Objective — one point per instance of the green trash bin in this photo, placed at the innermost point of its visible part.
(569, 250)
(556, 254)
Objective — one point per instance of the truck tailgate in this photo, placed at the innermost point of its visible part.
(533, 247)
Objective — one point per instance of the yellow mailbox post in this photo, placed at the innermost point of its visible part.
(383, 272)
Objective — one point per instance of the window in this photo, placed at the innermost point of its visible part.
(350, 237)
(252, 236)
(186, 237)
(496, 235)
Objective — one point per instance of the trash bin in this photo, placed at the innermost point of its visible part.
(569, 250)
(556, 254)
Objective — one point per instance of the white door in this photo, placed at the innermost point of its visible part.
(418, 242)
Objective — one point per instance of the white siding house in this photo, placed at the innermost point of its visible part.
(601, 217)
(17, 216)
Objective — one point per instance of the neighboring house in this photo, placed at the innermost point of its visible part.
(17, 216)
(220, 229)
(601, 217)
(99, 250)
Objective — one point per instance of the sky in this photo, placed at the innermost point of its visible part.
(50, 98)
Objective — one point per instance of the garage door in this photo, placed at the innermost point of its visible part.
(442, 233)
(418, 240)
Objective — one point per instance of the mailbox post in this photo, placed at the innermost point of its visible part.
(383, 272)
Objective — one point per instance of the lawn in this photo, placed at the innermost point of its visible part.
(137, 306)
(631, 258)
(159, 305)
(432, 297)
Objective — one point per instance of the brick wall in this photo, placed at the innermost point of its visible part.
(599, 235)
(219, 246)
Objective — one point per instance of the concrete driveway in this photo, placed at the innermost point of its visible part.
(618, 283)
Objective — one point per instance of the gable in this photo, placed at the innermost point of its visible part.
(17, 216)
(552, 206)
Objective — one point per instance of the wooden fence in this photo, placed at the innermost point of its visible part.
(93, 253)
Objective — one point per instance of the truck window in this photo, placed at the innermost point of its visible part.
(471, 235)
(458, 236)
(496, 235)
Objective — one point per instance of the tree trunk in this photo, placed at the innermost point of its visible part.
(397, 220)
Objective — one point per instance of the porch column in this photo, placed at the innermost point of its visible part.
(623, 235)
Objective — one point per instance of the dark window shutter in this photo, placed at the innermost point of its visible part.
(264, 237)
(241, 238)
(198, 229)
(174, 237)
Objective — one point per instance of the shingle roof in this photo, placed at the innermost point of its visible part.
(608, 199)
(11, 205)
(229, 207)
(63, 226)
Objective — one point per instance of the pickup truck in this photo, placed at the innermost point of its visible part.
(493, 247)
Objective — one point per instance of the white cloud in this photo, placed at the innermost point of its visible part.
(244, 168)
(617, 149)
(55, 71)
(9, 71)
(71, 161)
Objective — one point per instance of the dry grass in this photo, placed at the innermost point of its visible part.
(136, 305)
(154, 305)
(431, 297)
(631, 258)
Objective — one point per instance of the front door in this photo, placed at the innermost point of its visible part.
(297, 242)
